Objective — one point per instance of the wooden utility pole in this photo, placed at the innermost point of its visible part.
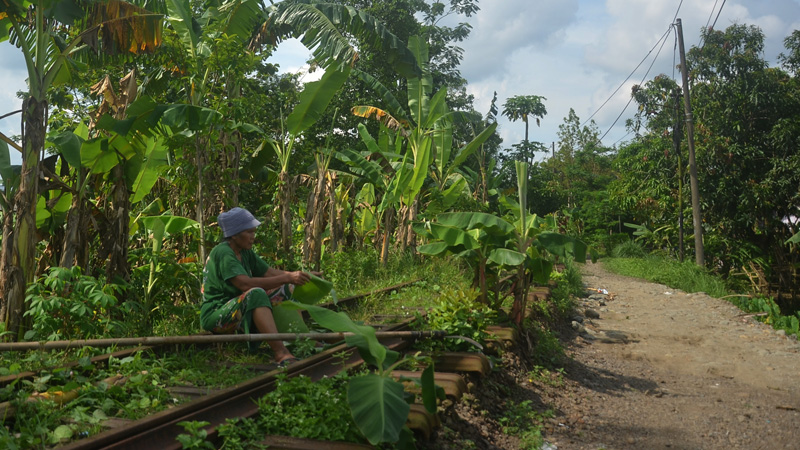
(687, 104)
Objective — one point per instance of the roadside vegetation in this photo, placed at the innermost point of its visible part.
(141, 126)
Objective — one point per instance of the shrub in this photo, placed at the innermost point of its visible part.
(66, 304)
(629, 249)
(459, 314)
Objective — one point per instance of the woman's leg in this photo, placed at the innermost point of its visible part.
(265, 323)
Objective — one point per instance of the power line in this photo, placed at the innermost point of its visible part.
(628, 78)
(663, 41)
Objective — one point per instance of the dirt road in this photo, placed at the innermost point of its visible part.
(662, 369)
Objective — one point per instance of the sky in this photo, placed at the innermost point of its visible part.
(576, 53)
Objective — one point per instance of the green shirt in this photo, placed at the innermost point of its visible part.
(221, 266)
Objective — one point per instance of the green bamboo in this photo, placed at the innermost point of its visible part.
(207, 339)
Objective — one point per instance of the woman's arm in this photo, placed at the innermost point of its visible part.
(271, 279)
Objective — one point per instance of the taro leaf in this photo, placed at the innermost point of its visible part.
(506, 257)
(428, 389)
(365, 340)
(378, 407)
(312, 291)
(561, 245)
(287, 319)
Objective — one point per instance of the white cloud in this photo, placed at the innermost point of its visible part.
(573, 52)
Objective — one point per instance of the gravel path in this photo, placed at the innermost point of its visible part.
(662, 369)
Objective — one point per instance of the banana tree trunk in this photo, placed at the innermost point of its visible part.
(315, 222)
(22, 262)
(411, 237)
(388, 220)
(75, 232)
(402, 228)
(200, 203)
(520, 297)
(5, 258)
(335, 215)
(284, 198)
(118, 265)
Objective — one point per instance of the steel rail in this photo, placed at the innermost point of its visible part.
(158, 431)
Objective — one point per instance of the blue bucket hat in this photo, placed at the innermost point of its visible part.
(236, 220)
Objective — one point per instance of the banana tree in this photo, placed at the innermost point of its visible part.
(427, 126)
(50, 35)
(492, 243)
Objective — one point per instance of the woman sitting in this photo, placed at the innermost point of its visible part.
(239, 288)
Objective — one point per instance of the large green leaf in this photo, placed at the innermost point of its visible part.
(473, 145)
(433, 248)
(184, 23)
(69, 145)
(170, 224)
(322, 25)
(370, 170)
(454, 237)
(312, 291)
(563, 246)
(506, 257)
(153, 162)
(428, 382)
(240, 18)
(190, 117)
(314, 99)
(367, 343)
(419, 87)
(475, 220)
(378, 407)
(540, 269)
(287, 318)
(451, 195)
(6, 173)
(422, 160)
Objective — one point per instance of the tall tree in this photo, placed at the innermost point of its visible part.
(50, 35)
(525, 108)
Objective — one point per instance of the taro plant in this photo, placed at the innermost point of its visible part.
(377, 401)
(66, 304)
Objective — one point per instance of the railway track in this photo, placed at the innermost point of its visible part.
(159, 431)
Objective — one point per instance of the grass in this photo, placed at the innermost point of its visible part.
(685, 276)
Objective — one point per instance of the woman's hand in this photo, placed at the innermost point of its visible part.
(299, 278)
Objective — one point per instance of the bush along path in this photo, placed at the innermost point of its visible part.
(651, 367)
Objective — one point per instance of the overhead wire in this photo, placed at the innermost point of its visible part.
(663, 41)
(677, 11)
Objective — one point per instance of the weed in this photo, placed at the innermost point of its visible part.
(546, 376)
(458, 313)
(522, 420)
(547, 349)
(686, 276)
(629, 249)
(196, 435)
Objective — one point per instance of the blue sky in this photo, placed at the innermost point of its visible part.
(575, 53)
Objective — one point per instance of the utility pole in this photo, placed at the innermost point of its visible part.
(677, 133)
(687, 104)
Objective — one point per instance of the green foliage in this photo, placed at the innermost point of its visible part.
(304, 408)
(195, 437)
(522, 420)
(629, 249)
(686, 276)
(457, 312)
(547, 349)
(774, 317)
(66, 304)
